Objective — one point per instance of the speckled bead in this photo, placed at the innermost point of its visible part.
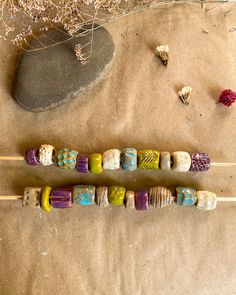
(186, 196)
(160, 197)
(31, 156)
(95, 163)
(102, 196)
(61, 198)
(129, 159)
(130, 200)
(200, 162)
(32, 197)
(82, 163)
(111, 159)
(84, 194)
(46, 154)
(116, 195)
(206, 200)
(181, 161)
(148, 159)
(141, 200)
(45, 199)
(66, 159)
(165, 162)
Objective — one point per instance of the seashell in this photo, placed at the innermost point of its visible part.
(163, 52)
(184, 94)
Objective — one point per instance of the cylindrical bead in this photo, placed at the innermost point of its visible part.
(116, 195)
(130, 200)
(31, 156)
(129, 159)
(84, 194)
(82, 163)
(46, 154)
(111, 159)
(165, 162)
(200, 162)
(61, 198)
(95, 163)
(141, 200)
(186, 196)
(102, 196)
(160, 197)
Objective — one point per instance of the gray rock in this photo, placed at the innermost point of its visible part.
(50, 77)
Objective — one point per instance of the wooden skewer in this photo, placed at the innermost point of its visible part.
(216, 164)
(10, 198)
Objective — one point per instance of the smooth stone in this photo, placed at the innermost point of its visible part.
(48, 78)
(206, 200)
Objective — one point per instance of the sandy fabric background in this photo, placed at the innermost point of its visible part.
(115, 251)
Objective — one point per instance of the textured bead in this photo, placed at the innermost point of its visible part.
(129, 159)
(46, 154)
(186, 196)
(95, 163)
(84, 194)
(82, 163)
(45, 203)
(200, 162)
(181, 161)
(66, 159)
(148, 159)
(102, 196)
(32, 197)
(160, 197)
(31, 156)
(165, 162)
(206, 200)
(111, 159)
(141, 200)
(116, 195)
(61, 198)
(130, 200)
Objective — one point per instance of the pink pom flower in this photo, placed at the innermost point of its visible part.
(227, 97)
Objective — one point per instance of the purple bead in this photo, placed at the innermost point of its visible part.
(141, 200)
(61, 198)
(31, 156)
(200, 162)
(82, 163)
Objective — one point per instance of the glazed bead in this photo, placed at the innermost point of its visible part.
(102, 196)
(84, 194)
(206, 200)
(31, 197)
(116, 195)
(148, 159)
(129, 159)
(31, 156)
(82, 163)
(186, 196)
(46, 153)
(61, 198)
(165, 162)
(141, 200)
(95, 163)
(160, 197)
(111, 159)
(200, 162)
(45, 197)
(181, 161)
(66, 159)
(130, 200)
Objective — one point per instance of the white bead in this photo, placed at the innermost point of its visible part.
(46, 154)
(206, 200)
(111, 159)
(165, 163)
(181, 161)
(130, 200)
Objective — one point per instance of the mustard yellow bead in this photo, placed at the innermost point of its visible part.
(116, 195)
(95, 163)
(45, 204)
(148, 159)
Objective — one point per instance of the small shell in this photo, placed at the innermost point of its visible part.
(184, 94)
(163, 52)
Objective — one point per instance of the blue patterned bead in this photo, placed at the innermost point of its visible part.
(129, 159)
(186, 196)
(66, 159)
(84, 194)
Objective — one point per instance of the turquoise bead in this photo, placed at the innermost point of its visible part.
(186, 196)
(66, 159)
(84, 194)
(129, 159)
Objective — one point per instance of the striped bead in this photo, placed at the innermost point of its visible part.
(66, 158)
(160, 197)
(141, 200)
(116, 195)
(61, 198)
(200, 162)
(84, 194)
(186, 196)
(82, 163)
(102, 196)
(129, 159)
(148, 159)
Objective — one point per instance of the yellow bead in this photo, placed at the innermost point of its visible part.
(95, 163)
(116, 195)
(148, 159)
(46, 206)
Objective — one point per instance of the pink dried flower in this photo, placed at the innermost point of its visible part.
(227, 97)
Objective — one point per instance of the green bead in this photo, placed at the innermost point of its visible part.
(148, 159)
(116, 195)
(95, 163)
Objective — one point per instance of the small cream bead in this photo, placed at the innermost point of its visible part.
(181, 161)
(165, 163)
(46, 154)
(111, 159)
(206, 200)
(130, 200)
(102, 196)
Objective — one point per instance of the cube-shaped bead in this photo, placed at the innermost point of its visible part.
(82, 163)
(200, 162)
(61, 198)
(206, 200)
(32, 197)
(181, 161)
(111, 159)
(116, 195)
(148, 159)
(84, 194)
(95, 163)
(129, 159)
(141, 200)
(66, 158)
(186, 196)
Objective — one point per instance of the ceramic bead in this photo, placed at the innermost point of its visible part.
(200, 162)
(165, 162)
(111, 159)
(32, 197)
(95, 163)
(181, 161)
(160, 197)
(102, 196)
(31, 156)
(129, 159)
(206, 200)
(46, 154)
(45, 199)
(186, 196)
(130, 200)
(116, 195)
(141, 200)
(148, 159)
(84, 194)
(61, 198)
(82, 163)
(66, 159)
